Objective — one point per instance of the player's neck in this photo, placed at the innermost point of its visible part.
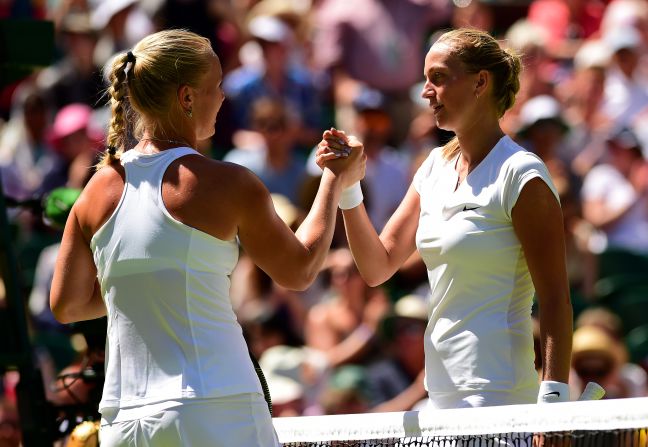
(476, 145)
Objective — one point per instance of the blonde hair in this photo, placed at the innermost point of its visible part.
(144, 82)
(478, 50)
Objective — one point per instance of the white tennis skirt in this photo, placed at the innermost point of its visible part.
(241, 420)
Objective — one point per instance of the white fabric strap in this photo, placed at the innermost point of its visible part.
(551, 392)
(351, 197)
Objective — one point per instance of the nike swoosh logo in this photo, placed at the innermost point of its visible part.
(470, 209)
(557, 393)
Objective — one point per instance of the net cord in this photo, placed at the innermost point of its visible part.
(611, 414)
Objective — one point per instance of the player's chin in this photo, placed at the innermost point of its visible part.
(444, 124)
(207, 133)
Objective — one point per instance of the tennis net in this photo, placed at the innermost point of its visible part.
(605, 423)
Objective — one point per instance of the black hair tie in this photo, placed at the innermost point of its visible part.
(130, 57)
(112, 150)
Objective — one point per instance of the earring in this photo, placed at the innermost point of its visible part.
(189, 113)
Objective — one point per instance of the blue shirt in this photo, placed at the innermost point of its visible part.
(246, 85)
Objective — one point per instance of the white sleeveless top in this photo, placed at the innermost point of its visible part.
(479, 336)
(172, 333)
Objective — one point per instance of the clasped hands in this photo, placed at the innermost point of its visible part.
(342, 154)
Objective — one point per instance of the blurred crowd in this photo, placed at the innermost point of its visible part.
(293, 68)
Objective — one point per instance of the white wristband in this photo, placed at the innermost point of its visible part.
(551, 392)
(351, 197)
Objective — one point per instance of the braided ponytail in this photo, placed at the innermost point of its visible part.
(118, 103)
(143, 87)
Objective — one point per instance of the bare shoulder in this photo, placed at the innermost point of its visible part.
(211, 195)
(112, 174)
(221, 179)
(99, 198)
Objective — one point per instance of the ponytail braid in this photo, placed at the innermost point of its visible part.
(118, 103)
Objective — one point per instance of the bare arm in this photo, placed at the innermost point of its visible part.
(75, 294)
(293, 260)
(378, 257)
(538, 224)
(600, 215)
(320, 335)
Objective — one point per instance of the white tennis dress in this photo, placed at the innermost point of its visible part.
(176, 359)
(478, 343)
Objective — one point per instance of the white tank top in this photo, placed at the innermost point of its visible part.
(172, 333)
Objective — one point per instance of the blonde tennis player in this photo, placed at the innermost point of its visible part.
(485, 217)
(152, 241)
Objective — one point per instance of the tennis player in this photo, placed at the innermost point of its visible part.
(485, 217)
(151, 243)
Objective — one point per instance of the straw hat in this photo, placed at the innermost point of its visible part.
(594, 341)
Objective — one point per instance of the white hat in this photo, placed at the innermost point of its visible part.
(622, 38)
(540, 108)
(283, 367)
(270, 29)
(592, 54)
(524, 34)
(104, 10)
(411, 306)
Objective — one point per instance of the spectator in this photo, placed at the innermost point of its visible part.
(583, 96)
(256, 297)
(615, 194)
(396, 382)
(278, 79)
(75, 140)
(380, 48)
(120, 24)
(266, 325)
(477, 14)
(346, 391)
(542, 131)
(626, 90)
(25, 154)
(272, 157)
(344, 324)
(76, 78)
(566, 22)
(624, 14)
(529, 40)
(296, 376)
(387, 176)
(387, 172)
(219, 21)
(598, 357)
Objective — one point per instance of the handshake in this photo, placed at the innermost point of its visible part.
(344, 155)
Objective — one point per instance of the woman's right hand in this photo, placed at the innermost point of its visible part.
(343, 155)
